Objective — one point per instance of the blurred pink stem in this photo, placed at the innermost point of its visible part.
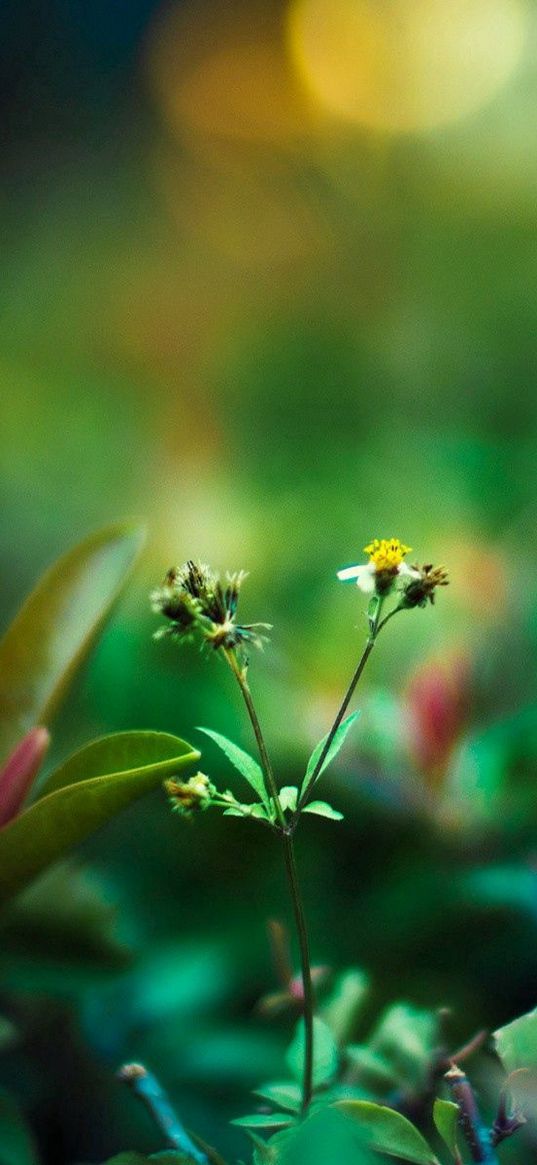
(19, 771)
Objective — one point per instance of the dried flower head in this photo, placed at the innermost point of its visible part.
(188, 797)
(421, 589)
(196, 601)
(386, 563)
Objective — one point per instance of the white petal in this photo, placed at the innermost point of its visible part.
(350, 572)
(408, 571)
(366, 579)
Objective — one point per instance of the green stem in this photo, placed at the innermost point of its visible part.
(268, 772)
(387, 618)
(292, 878)
(374, 629)
(326, 748)
(305, 965)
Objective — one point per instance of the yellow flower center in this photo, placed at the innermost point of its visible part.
(386, 553)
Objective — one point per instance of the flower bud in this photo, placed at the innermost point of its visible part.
(188, 797)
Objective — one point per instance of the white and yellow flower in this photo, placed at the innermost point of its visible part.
(386, 563)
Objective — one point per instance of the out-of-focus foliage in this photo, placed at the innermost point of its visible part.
(52, 632)
(98, 781)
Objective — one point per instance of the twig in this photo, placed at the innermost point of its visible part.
(477, 1136)
(147, 1088)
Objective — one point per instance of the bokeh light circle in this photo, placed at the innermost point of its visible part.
(405, 65)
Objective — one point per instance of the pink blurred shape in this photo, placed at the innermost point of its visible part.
(437, 700)
(18, 772)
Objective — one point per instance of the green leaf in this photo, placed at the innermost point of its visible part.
(16, 1142)
(323, 809)
(56, 625)
(253, 810)
(325, 1137)
(516, 1043)
(388, 1131)
(370, 1069)
(264, 1154)
(61, 930)
(288, 797)
(406, 1038)
(127, 1159)
(285, 1096)
(332, 751)
(325, 1053)
(258, 1120)
(242, 761)
(169, 1157)
(350, 991)
(93, 785)
(446, 1118)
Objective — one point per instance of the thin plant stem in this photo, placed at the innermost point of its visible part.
(387, 618)
(375, 629)
(305, 963)
(268, 772)
(346, 701)
(292, 878)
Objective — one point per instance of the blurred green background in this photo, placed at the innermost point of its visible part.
(269, 283)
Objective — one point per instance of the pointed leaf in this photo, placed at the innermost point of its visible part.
(446, 1118)
(325, 1053)
(242, 761)
(347, 1000)
(332, 751)
(323, 809)
(56, 625)
(372, 1070)
(406, 1037)
(286, 1096)
(288, 797)
(388, 1131)
(258, 1120)
(93, 785)
(516, 1043)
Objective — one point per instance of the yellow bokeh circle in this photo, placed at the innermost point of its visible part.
(405, 65)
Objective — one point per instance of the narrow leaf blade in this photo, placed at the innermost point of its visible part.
(323, 809)
(446, 1118)
(241, 760)
(273, 1120)
(388, 1131)
(56, 626)
(335, 746)
(92, 786)
(286, 1096)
